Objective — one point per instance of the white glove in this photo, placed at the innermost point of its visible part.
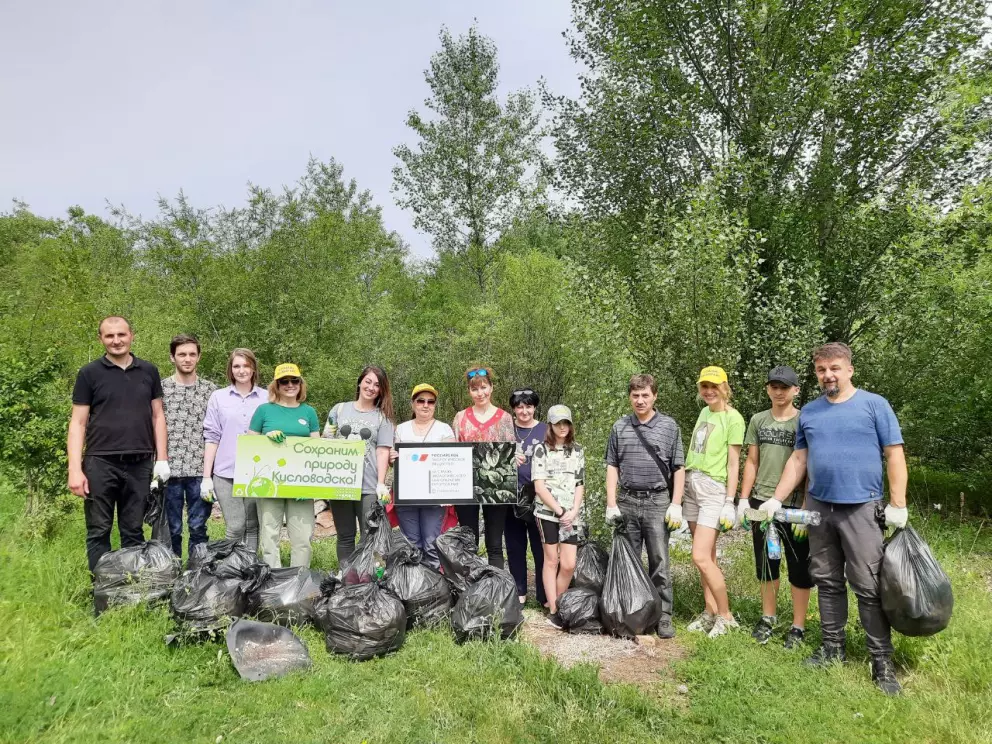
(896, 516)
(382, 491)
(727, 516)
(207, 490)
(612, 514)
(769, 507)
(673, 516)
(160, 471)
(742, 506)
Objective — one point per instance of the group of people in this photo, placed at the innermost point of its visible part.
(129, 428)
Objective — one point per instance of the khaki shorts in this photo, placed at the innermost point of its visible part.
(704, 499)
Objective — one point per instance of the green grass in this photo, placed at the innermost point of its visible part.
(67, 677)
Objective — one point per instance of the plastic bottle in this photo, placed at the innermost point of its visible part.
(798, 516)
(378, 567)
(773, 542)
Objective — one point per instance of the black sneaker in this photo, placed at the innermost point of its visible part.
(554, 620)
(827, 654)
(883, 674)
(795, 637)
(665, 627)
(763, 629)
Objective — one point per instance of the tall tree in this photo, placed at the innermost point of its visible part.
(478, 163)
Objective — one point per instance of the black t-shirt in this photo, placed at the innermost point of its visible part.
(120, 402)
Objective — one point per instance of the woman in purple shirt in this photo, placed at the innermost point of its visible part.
(229, 412)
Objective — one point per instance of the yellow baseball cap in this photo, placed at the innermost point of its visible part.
(286, 370)
(715, 375)
(424, 388)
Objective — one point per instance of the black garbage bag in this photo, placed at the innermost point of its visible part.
(261, 651)
(287, 596)
(207, 597)
(155, 506)
(489, 604)
(378, 543)
(229, 558)
(458, 552)
(916, 593)
(128, 576)
(629, 605)
(578, 610)
(590, 566)
(362, 621)
(424, 592)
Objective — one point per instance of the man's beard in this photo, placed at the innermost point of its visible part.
(832, 390)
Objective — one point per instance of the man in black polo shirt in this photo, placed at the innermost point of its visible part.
(117, 410)
(641, 486)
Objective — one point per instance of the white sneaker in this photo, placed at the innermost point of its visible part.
(721, 625)
(702, 624)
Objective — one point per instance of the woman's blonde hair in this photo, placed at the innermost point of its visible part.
(723, 388)
(274, 391)
(249, 357)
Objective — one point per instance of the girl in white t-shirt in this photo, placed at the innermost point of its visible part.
(422, 524)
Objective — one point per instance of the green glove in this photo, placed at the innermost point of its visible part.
(276, 436)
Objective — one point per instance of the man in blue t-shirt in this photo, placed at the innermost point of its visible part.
(841, 438)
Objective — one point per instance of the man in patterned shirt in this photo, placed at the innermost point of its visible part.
(185, 397)
(644, 485)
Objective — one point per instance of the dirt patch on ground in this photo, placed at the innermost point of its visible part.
(619, 660)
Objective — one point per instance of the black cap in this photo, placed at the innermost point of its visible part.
(784, 374)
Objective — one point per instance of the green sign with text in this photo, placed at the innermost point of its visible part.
(299, 468)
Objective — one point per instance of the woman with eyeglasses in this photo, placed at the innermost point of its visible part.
(370, 418)
(422, 524)
(528, 432)
(484, 422)
(285, 415)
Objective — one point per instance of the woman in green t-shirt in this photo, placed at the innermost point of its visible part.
(712, 466)
(285, 415)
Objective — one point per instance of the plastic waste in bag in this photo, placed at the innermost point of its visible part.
(261, 651)
(378, 543)
(424, 592)
(590, 566)
(287, 596)
(229, 558)
(131, 575)
(489, 604)
(155, 504)
(630, 605)
(458, 552)
(578, 610)
(916, 593)
(361, 621)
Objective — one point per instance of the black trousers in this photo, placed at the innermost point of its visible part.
(121, 482)
(517, 533)
(495, 524)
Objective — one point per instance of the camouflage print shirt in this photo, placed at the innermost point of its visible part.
(562, 471)
(185, 408)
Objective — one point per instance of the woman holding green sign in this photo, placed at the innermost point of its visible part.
(285, 415)
(368, 418)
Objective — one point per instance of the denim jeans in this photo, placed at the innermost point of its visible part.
(421, 525)
(848, 544)
(644, 517)
(179, 491)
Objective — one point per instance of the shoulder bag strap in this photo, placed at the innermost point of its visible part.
(665, 470)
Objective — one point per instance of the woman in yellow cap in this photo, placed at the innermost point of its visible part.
(285, 415)
(712, 467)
(422, 524)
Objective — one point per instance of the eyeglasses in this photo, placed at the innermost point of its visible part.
(289, 380)
(477, 373)
(525, 391)
(425, 401)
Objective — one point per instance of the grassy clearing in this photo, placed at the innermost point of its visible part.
(64, 677)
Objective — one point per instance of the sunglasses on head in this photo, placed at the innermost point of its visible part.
(525, 391)
(289, 380)
(477, 373)
(427, 401)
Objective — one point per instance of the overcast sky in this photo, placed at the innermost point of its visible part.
(124, 101)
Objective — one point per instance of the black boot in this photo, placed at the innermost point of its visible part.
(883, 674)
(828, 653)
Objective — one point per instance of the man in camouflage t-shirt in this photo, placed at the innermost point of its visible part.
(185, 397)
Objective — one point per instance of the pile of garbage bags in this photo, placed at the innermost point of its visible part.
(131, 575)
(424, 592)
(456, 549)
(362, 621)
(379, 542)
